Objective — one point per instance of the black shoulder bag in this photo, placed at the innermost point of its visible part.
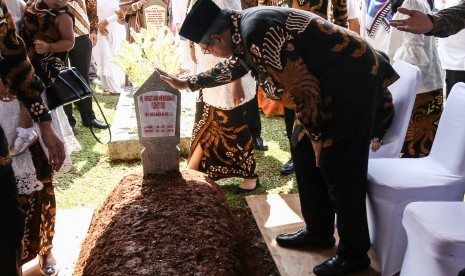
(69, 87)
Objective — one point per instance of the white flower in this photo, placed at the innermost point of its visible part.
(151, 49)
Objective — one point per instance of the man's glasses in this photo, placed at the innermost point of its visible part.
(206, 51)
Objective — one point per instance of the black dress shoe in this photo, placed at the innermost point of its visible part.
(260, 144)
(288, 168)
(96, 123)
(338, 266)
(303, 238)
(239, 190)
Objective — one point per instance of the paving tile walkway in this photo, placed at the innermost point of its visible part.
(70, 230)
(276, 214)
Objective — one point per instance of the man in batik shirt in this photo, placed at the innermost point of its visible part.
(338, 16)
(334, 81)
(17, 73)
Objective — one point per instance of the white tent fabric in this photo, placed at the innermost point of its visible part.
(403, 93)
(396, 182)
(436, 238)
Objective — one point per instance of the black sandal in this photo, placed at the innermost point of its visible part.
(239, 190)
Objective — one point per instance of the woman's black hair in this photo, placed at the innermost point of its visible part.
(395, 4)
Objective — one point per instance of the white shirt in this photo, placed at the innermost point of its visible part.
(380, 39)
(81, 19)
(353, 10)
(16, 9)
(221, 96)
(419, 50)
(451, 49)
(178, 9)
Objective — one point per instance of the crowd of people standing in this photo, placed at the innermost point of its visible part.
(330, 139)
(38, 38)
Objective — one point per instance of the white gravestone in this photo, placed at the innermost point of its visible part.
(158, 111)
(155, 13)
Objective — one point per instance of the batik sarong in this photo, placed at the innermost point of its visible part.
(423, 124)
(225, 140)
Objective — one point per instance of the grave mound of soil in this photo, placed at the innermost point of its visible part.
(174, 224)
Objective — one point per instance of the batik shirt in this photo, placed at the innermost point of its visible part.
(85, 14)
(338, 14)
(338, 8)
(310, 64)
(39, 23)
(16, 69)
(448, 21)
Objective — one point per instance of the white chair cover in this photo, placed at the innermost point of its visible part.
(436, 238)
(403, 93)
(395, 182)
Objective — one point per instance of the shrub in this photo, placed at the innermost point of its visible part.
(151, 49)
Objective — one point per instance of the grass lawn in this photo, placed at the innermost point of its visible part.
(93, 176)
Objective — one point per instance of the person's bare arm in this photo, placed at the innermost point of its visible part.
(14, 65)
(173, 81)
(222, 73)
(66, 43)
(131, 8)
(354, 25)
(53, 143)
(93, 38)
(91, 8)
(237, 92)
(446, 22)
(417, 23)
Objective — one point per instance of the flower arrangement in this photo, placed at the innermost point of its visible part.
(151, 49)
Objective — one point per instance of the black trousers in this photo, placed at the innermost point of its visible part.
(252, 117)
(339, 187)
(79, 57)
(289, 117)
(452, 77)
(12, 229)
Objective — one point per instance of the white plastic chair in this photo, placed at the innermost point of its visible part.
(395, 182)
(436, 238)
(403, 92)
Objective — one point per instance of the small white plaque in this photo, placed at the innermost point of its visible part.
(157, 114)
(155, 15)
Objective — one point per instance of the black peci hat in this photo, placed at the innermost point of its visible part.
(199, 19)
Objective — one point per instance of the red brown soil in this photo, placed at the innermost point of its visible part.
(174, 224)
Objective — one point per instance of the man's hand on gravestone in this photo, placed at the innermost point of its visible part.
(180, 84)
